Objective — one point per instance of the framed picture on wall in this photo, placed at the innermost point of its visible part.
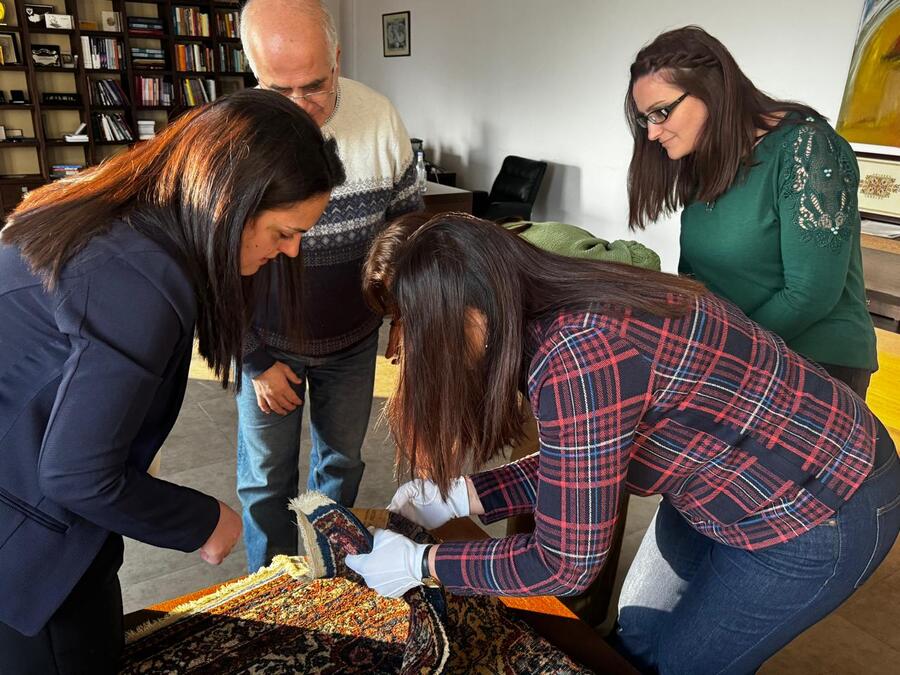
(9, 48)
(34, 13)
(879, 187)
(395, 33)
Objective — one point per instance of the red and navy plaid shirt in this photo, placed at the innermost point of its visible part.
(753, 444)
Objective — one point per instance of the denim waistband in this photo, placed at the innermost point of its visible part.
(885, 449)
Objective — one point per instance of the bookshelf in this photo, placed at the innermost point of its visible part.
(163, 58)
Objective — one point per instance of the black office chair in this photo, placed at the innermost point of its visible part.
(514, 190)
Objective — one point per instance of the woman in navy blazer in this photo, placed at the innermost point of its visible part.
(104, 279)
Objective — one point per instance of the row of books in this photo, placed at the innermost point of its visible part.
(143, 26)
(63, 170)
(146, 129)
(107, 92)
(233, 59)
(227, 24)
(111, 127)
(190, 21)
(194, 57)
(197, 91)
(148, 57)
(153, 91)
(102, 53)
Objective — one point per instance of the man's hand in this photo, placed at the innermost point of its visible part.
(223, 538)
(274, 392)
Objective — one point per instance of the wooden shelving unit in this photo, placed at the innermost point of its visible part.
(50, 122)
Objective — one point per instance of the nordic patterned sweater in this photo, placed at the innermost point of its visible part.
(377, 155)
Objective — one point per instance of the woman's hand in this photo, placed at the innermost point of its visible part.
(274, 391)
(420, 501)
(394, 565)
(223, 538)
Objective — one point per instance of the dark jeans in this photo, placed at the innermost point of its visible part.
(856, 378)
(691, 605)
(85, 636)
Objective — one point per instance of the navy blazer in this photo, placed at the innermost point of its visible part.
(92, 375)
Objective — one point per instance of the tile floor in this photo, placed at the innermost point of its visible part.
(862, 636)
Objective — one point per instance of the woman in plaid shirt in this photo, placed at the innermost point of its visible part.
(779, 486)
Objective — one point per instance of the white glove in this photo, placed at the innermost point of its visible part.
(420, 501)
(394, 565)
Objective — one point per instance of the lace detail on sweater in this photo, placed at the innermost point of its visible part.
(821, 184)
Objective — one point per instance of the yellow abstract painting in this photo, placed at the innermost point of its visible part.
(870, 110)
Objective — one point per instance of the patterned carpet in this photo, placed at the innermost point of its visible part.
(285, 620)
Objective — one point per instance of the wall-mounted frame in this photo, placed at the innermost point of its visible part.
(395, 32)
(879, 187)
(34, 13)
(10, 46)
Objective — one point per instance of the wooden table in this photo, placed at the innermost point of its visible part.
(546, 615)
(442, 198)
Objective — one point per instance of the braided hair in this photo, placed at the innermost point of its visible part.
(695, 61)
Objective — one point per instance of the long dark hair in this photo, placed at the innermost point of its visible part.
(193, 188)
(696, 62)
(452, 406)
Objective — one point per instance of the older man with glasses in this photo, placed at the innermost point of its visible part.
(293, 49)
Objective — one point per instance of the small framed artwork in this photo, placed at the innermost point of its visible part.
(879, 187)
(59, 21)
(395, 33)
(9, 48)
(34, 14)
(14, 134)
(46, 55)
(68, 60)
(111, 22)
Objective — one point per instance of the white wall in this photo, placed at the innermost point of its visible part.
(547, 80)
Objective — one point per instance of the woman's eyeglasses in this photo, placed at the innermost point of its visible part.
(659, 115)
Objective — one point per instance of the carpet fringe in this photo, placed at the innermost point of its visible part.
(295, 567)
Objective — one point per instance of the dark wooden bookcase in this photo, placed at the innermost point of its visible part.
(26, 164)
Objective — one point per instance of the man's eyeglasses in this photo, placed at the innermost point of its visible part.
(311, 97)
(659, 115)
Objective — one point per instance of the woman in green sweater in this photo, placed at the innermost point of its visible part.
(770, 218)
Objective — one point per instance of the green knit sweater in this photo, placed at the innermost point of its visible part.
(574, 242)
(783, 244)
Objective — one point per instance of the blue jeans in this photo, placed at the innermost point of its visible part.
(340, 401)
(692, 605)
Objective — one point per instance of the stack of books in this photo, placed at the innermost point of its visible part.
(148, 57)
(78, 136)
(146, 129)
(63, 170)
(144, 26)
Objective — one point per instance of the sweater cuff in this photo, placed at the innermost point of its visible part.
(257, 362)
